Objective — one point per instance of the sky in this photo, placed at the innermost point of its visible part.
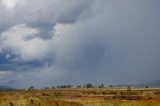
(56, 42)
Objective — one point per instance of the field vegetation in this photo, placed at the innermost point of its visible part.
(81, 97)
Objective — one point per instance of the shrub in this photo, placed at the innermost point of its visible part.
(11, 104)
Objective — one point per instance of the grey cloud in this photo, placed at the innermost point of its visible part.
(44, 15)
(122, 41)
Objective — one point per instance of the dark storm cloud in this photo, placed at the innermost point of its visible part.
(121, 40)
(84, 41)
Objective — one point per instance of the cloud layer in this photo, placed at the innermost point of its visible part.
(46, 42)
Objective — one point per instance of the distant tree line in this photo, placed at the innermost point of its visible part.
(65, 86)
(88, 85)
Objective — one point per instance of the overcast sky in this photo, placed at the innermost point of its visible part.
(56, 42)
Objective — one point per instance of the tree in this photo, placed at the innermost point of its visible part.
(129, 91)
(101, 86)
(111, 86)
(89, 85)
(31, 88)
(147, 86)
(46, 87)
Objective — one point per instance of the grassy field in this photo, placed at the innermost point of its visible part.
(81, 97)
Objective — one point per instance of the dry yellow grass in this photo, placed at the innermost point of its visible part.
(81, 97)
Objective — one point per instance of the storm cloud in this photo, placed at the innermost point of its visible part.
(52, 42)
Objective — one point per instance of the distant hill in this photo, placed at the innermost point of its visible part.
(5, 88)
(152, 84)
